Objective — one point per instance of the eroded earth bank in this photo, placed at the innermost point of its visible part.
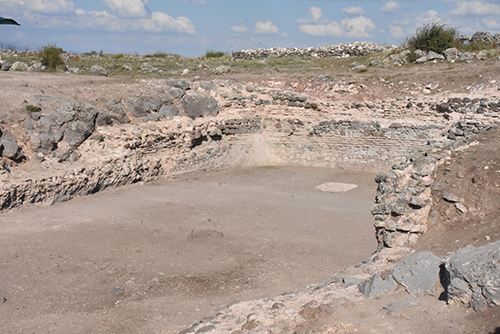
(245, 219)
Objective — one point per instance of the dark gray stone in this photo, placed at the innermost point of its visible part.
(479, 269)
(183, 84)
(418, 272)
(9, 149)
(5, 65)
(77, 132)
(377, 286)
(169, 111)
(197, 105)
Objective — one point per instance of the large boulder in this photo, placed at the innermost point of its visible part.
(473, 275)
(10, 149)
(377, 286)
(71, 124)
(198, 105)
(19, 66)
(418, 272)
(451, 54)
(183, 84)
(5, 65)
(98, 70)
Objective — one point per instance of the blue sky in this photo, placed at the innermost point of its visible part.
(191, 27)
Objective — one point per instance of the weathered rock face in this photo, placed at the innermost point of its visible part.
(197, 105)
(61, 132)
(473, 275)
(418, 272)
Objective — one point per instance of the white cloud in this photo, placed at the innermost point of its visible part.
(50, 6)
(128, 8)
(396, 31)
(315, 13)
(475, 8)
(419, 19)
(265, 28)
(353, 10)
(239, 29)
(358, 26)
(390, 6)
(329, 29)
(157, 22)
(491, 23)
(166, 22)
(315, 16)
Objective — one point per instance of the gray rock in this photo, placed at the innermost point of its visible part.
(19, 66)
(98, 70)
(465, 56)
(418, 272)
(183, 84)
(451, 54)
(431, 55)
(199, 105)
(350, 281)
(9, 149)
(419, 53)
(432, 85)
(449, 197)
(462, 208)
(478, 268)
(421, 60)
(482, 55)
(222, 69)
(141, 106)
(77, 132)
(37, 67)
(5, 65)
(377, 286)
(169, 111)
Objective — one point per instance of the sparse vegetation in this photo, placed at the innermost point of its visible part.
(214, 54)
(32, 108)
(50, 56)
(434, 36)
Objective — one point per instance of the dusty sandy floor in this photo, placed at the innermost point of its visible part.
(149, 258)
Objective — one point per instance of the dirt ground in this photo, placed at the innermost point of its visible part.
(155, 258)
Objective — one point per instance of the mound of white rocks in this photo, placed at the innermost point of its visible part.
(340, 51)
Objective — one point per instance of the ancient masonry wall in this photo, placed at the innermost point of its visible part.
(130, 153)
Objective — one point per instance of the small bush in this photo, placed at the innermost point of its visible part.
(214, 54)
(50, 56)
(32, 108)
(434, 36)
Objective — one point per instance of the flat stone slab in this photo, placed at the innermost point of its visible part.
(336, 187)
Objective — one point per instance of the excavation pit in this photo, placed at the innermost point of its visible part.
(173, 251)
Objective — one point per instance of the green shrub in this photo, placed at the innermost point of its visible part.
(214, 54)
(32, 108)
(50, 56)
(434, 36)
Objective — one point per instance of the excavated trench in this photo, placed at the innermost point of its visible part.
(241, 219)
